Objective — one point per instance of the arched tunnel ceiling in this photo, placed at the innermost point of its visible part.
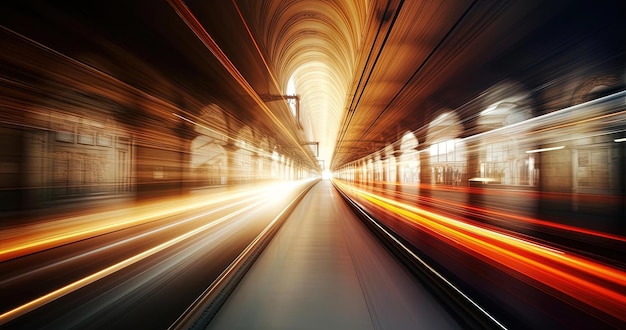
(316, 44)
(363, 68)
(365, 71)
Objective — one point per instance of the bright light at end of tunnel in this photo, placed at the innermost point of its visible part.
(327, 175)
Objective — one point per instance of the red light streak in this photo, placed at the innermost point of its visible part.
(509, 216)
(584, 280)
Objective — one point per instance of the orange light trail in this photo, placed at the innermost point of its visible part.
(31, 238)
(587, 281)
(509, 216)
(69, 288)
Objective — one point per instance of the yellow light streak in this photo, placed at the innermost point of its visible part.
(32, 238)
(56, 294)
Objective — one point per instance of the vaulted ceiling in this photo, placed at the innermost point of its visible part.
(317, 44)
(365, 71)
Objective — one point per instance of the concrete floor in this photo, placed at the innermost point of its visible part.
(325, 270)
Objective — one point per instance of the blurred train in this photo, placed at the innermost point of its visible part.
(558, 176)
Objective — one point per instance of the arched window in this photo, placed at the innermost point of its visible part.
(243, 157)
(502, 159)
(208, 158)
(409, 164)
(448, 155)
(390, 165)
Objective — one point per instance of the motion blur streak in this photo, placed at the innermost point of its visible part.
(588, 281)
(7, 316)
(137, 237)
(18, 241)
(507, 216)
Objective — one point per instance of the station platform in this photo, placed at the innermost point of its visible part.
(325, 270)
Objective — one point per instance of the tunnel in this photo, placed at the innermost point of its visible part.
(313, 164)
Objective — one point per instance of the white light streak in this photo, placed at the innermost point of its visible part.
(544, 149)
